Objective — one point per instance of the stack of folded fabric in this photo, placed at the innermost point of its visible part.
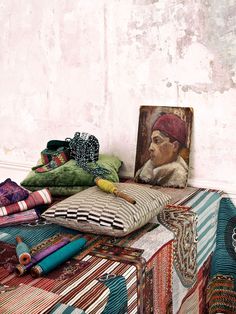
(70, 166)
(17, 205)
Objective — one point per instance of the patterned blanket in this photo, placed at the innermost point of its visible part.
(183, 223)
(88, 282)
(222, 285)
(139, 273)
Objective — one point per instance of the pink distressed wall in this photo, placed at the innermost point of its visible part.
(79, 65)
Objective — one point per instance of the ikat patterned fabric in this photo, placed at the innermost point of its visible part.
(96, 211)
(11, 192)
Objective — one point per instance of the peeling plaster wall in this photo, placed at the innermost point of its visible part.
(70, 66)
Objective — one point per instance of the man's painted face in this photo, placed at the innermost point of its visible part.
(162, 151)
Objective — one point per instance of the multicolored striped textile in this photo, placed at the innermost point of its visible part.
(205, 204)
(224, 258)
(34, 234)
(140, 266)
(195, 299)
(58, 159)
(34, 199)
(87, 283)
(158, 298)
(222, 284)
(221, 295)
(118, 296)
(62, 308)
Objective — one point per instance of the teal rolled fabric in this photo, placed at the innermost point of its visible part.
(57, 258)
(22, 252)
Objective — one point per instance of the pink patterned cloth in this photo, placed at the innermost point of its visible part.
(34, 199)
(19, 218)
(11, 192)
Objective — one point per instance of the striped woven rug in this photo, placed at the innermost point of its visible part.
(89, 282)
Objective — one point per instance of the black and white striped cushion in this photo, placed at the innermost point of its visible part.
(95, 211)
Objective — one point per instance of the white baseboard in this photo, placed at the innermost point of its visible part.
(14, 170)
(228, 188)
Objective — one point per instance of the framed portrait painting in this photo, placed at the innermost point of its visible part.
(163, 145)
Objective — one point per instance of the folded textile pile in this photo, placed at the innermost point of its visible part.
(27, 216)
(17, 205)
(34, 199)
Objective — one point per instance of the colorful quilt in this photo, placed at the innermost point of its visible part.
(222, 285)
(139, 273)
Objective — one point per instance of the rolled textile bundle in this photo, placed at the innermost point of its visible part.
(21, 269)
(57, 258)
(34, 199)
(22, 252)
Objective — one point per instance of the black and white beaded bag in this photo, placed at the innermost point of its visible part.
(84, 148)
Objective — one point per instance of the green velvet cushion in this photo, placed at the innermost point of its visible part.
(60, 190)
(70, 174)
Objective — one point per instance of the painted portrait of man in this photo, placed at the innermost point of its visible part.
(167, 144)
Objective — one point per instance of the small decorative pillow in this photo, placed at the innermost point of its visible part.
(95, 211)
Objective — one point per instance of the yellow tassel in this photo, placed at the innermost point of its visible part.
(105, 185)
(109, 187)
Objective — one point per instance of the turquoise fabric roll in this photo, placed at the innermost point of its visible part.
(224, 256)
(57, 258)
(23, 253)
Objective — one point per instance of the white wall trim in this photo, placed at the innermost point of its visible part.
(15, 165)
(17, 171)
(14, 170)
(226, 187)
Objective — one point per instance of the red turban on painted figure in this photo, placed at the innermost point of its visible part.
(166, 167)
(173, 126)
